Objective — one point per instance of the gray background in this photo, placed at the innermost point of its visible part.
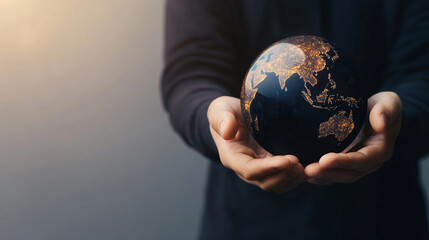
(86, 150)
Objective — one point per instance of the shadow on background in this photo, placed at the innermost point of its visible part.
(86, 148)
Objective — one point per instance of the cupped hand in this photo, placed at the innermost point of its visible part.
(374, 144)
(242, 154)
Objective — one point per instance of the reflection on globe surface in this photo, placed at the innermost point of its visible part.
(299, 97)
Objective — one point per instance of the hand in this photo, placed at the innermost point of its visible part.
(375, 144)
(242, 154)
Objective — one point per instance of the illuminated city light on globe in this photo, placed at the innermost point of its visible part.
(299, 97)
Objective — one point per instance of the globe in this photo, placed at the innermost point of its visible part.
(300, 97)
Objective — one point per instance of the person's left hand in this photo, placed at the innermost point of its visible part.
(375, 143)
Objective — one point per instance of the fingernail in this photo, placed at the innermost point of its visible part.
(383, 116)
(221, 127)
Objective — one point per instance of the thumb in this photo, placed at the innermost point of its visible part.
(222, 118)
(386, 109)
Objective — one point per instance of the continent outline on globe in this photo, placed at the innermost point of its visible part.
(302, 63)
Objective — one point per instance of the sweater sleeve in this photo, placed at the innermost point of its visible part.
(407, 73)
(200, 65)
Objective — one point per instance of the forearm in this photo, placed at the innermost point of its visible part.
(200, 65)
(414, 94)
(187, 109)
(407, 73)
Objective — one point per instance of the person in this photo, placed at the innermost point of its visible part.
(372, 192)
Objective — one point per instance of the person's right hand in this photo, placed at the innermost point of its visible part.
(242, 154)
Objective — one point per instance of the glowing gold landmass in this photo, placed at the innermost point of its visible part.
(302, 55)
(321, 98)
(338, 125)
(281, 59)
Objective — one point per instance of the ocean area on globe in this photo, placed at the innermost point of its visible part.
(300, 97)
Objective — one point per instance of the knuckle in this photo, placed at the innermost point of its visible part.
(275, 165)
(218, 100)
(225, 163)
(292, 159)
(390, 106)
(252, 177)
(211, 108)
(396, 97)
(221, 98)
(214, 106)
(248, 175)
(348, 160)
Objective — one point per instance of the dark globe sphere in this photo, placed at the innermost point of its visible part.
(299, 97)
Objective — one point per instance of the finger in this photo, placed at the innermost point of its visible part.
(291, 184)
(283, 181)
(318, 175)
(221, 116)
(366, 159)
(386, 108)
(313, 170)
(253, 169)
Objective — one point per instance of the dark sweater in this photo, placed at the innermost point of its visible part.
(209, 46)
